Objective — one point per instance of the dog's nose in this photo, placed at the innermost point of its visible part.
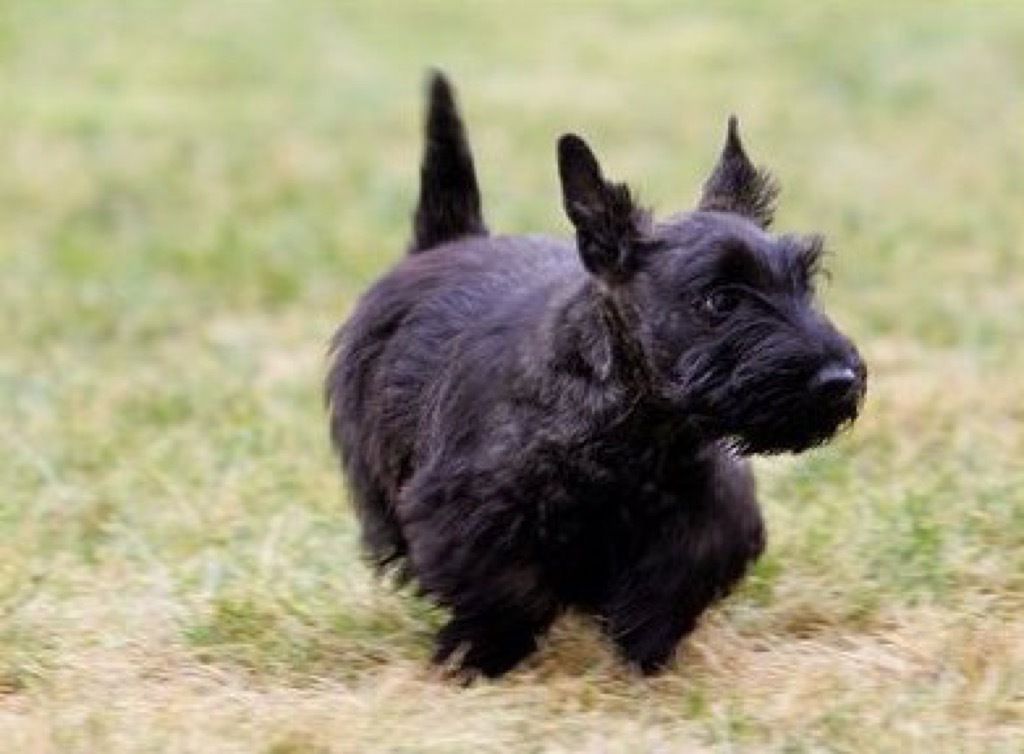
(833, 381)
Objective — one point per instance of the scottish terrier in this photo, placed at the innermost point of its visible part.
(529, 424)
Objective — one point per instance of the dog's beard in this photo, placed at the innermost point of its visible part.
(766, 416)
(761, 403)
(767, 422)
(789, 435)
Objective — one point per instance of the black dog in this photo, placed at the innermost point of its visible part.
(529, 424)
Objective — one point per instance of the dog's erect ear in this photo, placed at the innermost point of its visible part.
(739, 187)
(606, 219)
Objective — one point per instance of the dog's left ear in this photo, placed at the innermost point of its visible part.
(737, 186)
(606, 219)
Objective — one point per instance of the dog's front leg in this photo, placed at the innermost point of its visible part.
(488, 637)
(657, 602)
(471, 550)
(692, 555)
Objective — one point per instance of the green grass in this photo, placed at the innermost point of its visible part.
(192, 195)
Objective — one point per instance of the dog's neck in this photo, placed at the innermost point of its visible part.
(623, 357)
(592, 334)
(599, 368)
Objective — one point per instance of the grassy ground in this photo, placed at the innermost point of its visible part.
(191, 196)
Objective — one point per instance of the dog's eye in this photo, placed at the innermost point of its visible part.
(720, 303)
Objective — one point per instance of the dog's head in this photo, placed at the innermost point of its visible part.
(720, 312)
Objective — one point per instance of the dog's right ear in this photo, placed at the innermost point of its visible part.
(606, 219)
(737, 186)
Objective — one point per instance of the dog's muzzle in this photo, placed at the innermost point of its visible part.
(837, 384)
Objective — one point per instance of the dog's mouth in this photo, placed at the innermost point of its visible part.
(789, 409)
(793, 435)
(798, 423)
(776, 417)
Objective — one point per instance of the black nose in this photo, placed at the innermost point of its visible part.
(833, 381)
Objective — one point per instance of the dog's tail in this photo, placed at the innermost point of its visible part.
(449, 203)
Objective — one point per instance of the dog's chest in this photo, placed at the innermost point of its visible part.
(606, 504)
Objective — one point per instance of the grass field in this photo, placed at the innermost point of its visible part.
(191, 196)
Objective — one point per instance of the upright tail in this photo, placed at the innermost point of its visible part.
(449, 203)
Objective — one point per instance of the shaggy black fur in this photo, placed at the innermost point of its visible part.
(530, 424)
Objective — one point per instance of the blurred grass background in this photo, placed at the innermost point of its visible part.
(192, 195)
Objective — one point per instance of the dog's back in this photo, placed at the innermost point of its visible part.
(403, 334)
(390, 354)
